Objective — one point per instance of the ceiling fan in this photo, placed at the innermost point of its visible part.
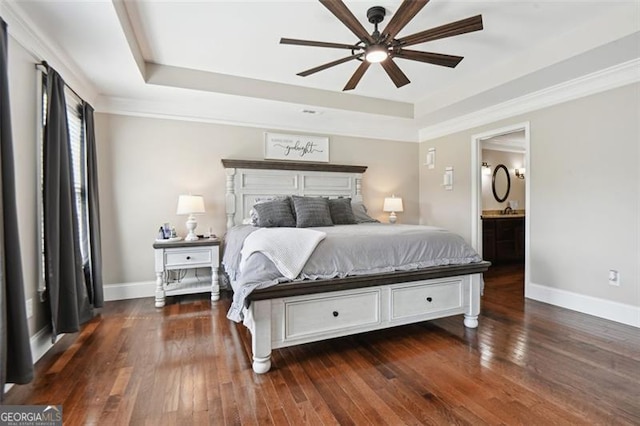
(383, 47)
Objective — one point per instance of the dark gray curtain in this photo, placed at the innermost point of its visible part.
(93, 270)
(15, 352)
(65, 283)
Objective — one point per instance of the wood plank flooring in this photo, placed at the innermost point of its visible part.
(527, 363)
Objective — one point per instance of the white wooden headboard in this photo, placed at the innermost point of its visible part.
(248, 180)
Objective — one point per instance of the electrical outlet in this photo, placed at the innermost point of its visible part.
(29, 304)
(614, 277)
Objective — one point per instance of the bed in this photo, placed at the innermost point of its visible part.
(326, 299)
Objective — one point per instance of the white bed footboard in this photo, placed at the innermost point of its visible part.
(288, 321)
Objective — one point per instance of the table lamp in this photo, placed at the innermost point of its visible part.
(393, 205)
(191, 205)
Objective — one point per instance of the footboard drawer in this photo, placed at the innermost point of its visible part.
(421, 299)
(323, 315)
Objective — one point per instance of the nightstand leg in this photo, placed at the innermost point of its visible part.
(215, 284)
(159, 290)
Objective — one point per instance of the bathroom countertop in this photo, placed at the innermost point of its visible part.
(496, 214)
(502, 216)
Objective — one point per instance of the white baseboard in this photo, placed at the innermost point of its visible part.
(602, 308)
(129, 290)
(41, 343)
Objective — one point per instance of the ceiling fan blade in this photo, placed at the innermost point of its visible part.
(318, 44)
(355, 78)
(340, 10)
(328, 65)
(450, 61)
(405, 13)
(448, 30)
(394, 72)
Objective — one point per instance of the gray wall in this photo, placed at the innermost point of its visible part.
(585, 192)
(145, 163)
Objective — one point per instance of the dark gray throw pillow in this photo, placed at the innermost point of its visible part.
(341, 211)
(311, 211)
(275, 213)
(360, 213)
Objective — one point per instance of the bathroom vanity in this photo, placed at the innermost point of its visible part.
(503, 238)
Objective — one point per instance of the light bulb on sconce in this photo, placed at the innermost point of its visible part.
(520, 173)
(486, 168)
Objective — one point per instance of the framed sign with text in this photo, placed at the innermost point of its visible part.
(279, 146)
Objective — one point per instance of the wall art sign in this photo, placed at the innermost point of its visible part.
(279, 146)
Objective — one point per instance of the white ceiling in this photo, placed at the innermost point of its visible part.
(221, 60)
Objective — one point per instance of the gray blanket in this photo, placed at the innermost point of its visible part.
(347, 250)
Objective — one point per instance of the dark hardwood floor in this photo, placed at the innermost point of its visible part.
(527, 363)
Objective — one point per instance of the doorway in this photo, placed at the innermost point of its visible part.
(508, 147)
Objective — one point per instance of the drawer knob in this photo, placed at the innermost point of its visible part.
(335, 313)
(188, 257)
(429, 299)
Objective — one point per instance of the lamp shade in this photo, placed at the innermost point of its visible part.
(392, 204)
(190, 204)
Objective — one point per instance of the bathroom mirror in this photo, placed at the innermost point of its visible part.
(501, 183)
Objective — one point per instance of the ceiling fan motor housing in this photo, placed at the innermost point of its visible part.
(375, 14)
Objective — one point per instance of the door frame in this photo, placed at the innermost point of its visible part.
(476, 190)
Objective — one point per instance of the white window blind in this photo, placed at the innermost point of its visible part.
(77, 144)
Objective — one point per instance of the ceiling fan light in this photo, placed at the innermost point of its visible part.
(376, 53)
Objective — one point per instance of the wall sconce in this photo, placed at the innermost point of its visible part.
(520, 173)
(486, 168)
(431, 158)
(447, 179)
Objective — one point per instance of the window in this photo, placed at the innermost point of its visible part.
(77, 143)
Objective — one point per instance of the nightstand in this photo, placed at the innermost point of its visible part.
(171, 256)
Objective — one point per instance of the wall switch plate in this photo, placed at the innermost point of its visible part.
(29, 305)
(614, 277)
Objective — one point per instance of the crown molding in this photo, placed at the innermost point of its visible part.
(22, 29)
(272, 118)
(600, 81)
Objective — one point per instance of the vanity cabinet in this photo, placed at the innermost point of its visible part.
(503, 239)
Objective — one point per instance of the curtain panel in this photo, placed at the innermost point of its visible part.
(16, 364)
(93, 270)
(66, 288)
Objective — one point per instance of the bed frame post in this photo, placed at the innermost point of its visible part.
(358, 196)
(230, 197)
(261, 335)
(471, 315)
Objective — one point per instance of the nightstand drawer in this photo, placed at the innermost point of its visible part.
(187, 257)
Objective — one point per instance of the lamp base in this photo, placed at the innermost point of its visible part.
(191, 226)
(392, 217)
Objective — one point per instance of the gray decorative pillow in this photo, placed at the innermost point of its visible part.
(311, 211)
(341, 211)
(360, 213)
(253, 214)
(275, 213)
